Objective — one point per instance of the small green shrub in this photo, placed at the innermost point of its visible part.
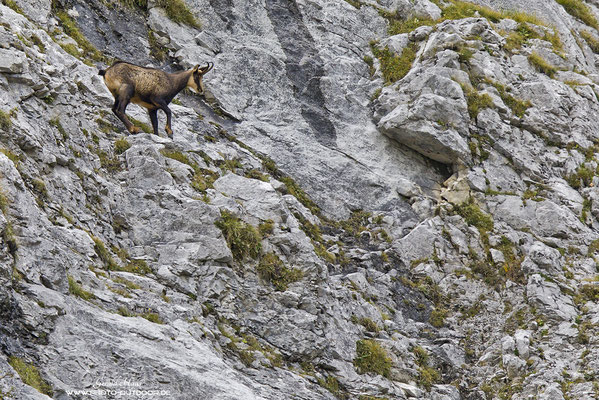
(157, 51)
(5, 122)
(579, 10)
(141, 125)
(76, 290)
(394, 67)
(541, 64)
(371, 357)
(121, 145)
(30, 375)
(178, 12)
(272, 269)
(243, 239)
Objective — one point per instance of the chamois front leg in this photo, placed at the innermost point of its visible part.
(154, 119)
(120, 105)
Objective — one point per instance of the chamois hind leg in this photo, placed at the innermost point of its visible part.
(120, 105)
(154, 118)
(164, 107)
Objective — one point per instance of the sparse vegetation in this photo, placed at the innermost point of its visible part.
(243, 239)
(55, 122)
(542, 65)
(372, 357)
(30, 375)
(397, 26)
(70, 27)
(104, 254)
(5, 122)
(591, 40)
(121, 145)
(517, 106)
(331, 384)
(152, 317)
(476, 101)
(394, 67)
(427, 376)
(76, 290)
(579, 10)
(272, 269)
(178, 12)
(473, 215)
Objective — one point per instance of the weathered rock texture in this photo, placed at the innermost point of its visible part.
(429, 237)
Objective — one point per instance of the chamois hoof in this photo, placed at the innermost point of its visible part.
(134, 129)
(169, 132)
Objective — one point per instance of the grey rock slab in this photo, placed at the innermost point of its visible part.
(549, 298)
(12, 61)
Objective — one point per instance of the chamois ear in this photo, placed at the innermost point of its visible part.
(196, 68)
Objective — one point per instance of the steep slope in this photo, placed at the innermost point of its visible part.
(376, 200)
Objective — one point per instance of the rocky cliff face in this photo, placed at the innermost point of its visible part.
(382, 199)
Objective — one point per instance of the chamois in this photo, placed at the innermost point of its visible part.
(151, 88)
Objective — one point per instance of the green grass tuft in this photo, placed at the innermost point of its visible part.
(579, 10)
(104, 254)
(121, 145)
(476, 102)
(178, 12)
(272, 269)
(372, 357)
(591, 40)
(243, 239)
(394, 67)
(5, 122)
(517, 106)
(405, 26)
(473, 215)
(30, 375)
(70, 27)
(541, 64)
(76, 290)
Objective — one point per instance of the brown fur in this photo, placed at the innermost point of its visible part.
(150, 88)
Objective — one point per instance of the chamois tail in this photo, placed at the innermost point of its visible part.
(102, 72)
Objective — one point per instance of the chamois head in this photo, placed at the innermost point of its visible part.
(195, 81)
